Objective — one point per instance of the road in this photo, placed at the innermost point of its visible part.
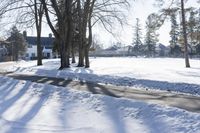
(186, 102)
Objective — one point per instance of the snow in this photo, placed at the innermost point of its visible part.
(141, 73)
(27, 107)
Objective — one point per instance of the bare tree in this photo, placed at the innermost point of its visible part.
(75, 19)
(29, 13)
(187, 64)
(85, 14)
(107, 13)
(38, 13)
(62, 11)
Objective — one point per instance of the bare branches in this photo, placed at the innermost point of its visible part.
(109, 13)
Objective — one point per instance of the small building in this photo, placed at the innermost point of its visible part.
(4, 53)
(162, 50)
(31, 52)
(47, 53)
(113, 51)
(46, 43)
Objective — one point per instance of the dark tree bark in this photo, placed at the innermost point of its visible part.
(63, 29)
(187, 64)
(82, 32)
(80, 36)
(89, 43)
(38, 20)
(73, 53)
(68, 29)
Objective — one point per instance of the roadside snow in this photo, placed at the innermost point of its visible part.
(142, 73)
(27, 107)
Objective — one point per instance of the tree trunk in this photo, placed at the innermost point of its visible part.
(187, 64)
(87, 62)
(73, 53)
(39, 51)
(81, 35)
(17, 53)
(60, 33)
(63, 55)
(68, 29)
(38, 18)
(88, 45)
(39, 47)
(81, 57)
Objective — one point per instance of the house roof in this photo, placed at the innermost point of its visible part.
(3, 42)
(112, 48)
(47, 42)
(161, 46)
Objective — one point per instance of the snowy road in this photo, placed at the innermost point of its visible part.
(187, 102)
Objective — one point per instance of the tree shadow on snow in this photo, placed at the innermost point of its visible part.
(14, 99)
(125, 81)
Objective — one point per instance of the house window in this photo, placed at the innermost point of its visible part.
(33, 54)
(27, 55)
(48, 55)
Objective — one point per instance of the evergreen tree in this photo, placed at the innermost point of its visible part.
(151, 37)
(197, 31)
(18, 47)
(191, 28)
(174, 33)
(197, 27)
(137, 43)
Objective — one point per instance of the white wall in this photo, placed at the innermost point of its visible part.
(31, 50)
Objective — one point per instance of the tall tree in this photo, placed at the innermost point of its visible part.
(18, 43)
(197, 32)
(181, 5)
(174, 33)
(151, 37)
(137, 39)
(29, 13)
(63, 31)
(191, 28)
(75, 18)
(187, 63)
(38, 14)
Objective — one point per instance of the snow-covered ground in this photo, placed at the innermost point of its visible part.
(141, 73)
(27, 107)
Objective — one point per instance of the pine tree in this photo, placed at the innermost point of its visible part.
(191, 28)
(197, 27)
(137, 43)
(174, 33)
(151, 37)
(197, 31)
(18, 42)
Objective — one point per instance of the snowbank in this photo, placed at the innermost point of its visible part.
(142, 73)
(27, 107)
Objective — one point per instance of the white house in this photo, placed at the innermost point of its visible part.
(47, 52)
(47, 46)
(31, 52)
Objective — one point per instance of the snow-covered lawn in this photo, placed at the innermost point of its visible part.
(141, 73)
(27, 107)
